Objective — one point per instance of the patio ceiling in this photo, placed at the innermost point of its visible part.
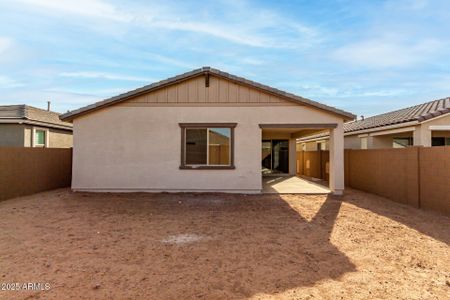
(294, 132)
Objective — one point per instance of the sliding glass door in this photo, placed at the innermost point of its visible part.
(275, 156)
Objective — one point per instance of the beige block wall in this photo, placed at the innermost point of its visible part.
(435, 178)
(391, 173)
(11, 135)
(417, 176)
(27, 170)
(138, 148)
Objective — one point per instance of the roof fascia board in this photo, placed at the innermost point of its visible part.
(435, 118)
(126, 96)
(31, 122)
(393, 131)
(291, 97)
(439, 127)
(381, 128)
(302, 126)
(195, 73)
(306, 140)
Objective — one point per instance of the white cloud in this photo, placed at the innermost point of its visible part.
(88, 8)
(385, 53)
(102, 75)
(250, 26)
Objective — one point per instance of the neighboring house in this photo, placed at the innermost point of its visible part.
(204, 130)
(426, 124)
(27, 126)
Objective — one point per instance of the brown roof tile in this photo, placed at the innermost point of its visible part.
(205, 70)
(30, 113)
(419, 113)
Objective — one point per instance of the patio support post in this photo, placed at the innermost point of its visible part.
(292, 156)
(422, 136)
(337, 160)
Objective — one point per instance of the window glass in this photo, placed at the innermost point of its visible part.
(208, 146)
(219, 146)
(40, 137)
(402, 142)
(321, 146)
(437, 141)
(196, 150)
(448, 142)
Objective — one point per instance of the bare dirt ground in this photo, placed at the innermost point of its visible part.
(215, 246)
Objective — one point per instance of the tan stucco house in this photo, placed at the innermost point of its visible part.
(205, 130)
(27, 126)
(426, 124)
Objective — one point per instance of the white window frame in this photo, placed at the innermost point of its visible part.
(33, 138)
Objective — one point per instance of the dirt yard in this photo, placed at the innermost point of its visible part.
(184, 246)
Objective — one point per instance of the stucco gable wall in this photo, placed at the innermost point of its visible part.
(136, 144)
(138, 148)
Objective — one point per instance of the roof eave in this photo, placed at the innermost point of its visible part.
(70, 116)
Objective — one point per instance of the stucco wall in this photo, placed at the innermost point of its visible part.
(11, 135)
(28, 134)
(424, 134)
(57, 138)
(310, 146)
(60, 138)
(138, 148)
(352, 142)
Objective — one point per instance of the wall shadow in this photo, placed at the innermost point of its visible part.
(237, 245)
(430, 223)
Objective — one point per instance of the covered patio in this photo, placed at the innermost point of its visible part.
(294, 185)
(279, 165)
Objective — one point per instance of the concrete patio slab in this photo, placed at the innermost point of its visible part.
(292, 185)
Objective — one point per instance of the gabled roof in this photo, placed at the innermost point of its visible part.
(69, 116)
(32, 115)
(418, 113)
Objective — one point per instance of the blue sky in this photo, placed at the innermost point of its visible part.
(366, 57)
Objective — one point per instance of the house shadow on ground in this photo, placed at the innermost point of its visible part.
(212, 246)
(423, 221)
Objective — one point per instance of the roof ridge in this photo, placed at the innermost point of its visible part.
(41, 109)
(196, 72)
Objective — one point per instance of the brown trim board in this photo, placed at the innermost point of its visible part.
(305, 126)
(201, 125)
